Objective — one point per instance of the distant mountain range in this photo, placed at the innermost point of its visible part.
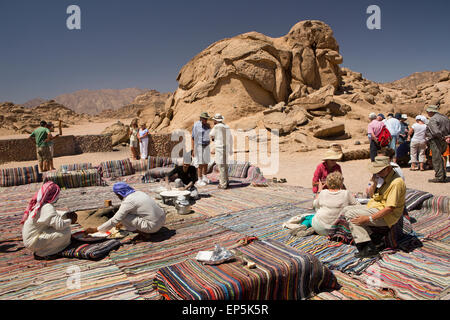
(416, 79)
(93, 101)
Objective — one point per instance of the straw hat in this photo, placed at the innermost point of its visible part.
(334, 153)
(379, 164)
(204, 115)
(432, 108)
(218, 117)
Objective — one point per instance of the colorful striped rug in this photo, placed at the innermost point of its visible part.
(354, 289)
(180, 241)
(281, 273)
(421, 274)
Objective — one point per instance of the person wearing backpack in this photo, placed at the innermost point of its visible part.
(374, 129)
(437, 129)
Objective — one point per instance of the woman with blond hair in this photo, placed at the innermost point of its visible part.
(329, 203)
(133, 132)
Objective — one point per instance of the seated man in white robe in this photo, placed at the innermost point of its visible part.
(45, 231)
(138, 212)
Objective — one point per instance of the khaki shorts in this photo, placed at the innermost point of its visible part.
(43, 153)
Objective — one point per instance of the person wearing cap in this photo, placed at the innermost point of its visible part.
(223, 141)
(381, 117)
(438, 128)
(384, 208)
(200, 147)
(138, 212)
(328, 166)
(418, 144)
(186, 176)
(373, 131)
(393, 125)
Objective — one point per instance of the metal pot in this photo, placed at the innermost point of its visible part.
(183, 209)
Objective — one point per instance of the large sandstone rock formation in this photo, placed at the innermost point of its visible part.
(246, 74)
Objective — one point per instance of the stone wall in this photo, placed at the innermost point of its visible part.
(25, 149)
(161, 145)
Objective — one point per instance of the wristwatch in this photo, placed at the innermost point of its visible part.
(370, 219)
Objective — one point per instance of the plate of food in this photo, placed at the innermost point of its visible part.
(93, 237)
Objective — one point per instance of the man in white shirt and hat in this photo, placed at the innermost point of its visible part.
(223, 140)
(200, 147)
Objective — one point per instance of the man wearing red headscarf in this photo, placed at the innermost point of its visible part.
(45, 231)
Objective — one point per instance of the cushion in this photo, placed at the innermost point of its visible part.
(415, 198)
(90, 251)
(75, 166)
(238, 169)
(156, 162)
(116, 168)
(282, 273)
(18, 176)
(159, 173)
(139, 165)
(74, 179)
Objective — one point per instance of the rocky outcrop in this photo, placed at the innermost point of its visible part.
(244, 75)
(118, 132)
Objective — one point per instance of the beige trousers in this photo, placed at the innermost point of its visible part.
(223, 178)
(361, 233)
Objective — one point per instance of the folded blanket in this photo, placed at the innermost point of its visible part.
(116, 168)
(90, 251)
(18, 176)
(74, 179)
(281, 273)
(75, 166)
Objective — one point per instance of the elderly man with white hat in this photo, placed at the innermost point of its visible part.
(223, 141)
(384, 208)
(438, 128)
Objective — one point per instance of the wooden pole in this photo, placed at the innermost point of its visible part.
(60, 127)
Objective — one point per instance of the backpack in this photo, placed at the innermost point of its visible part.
(384, 137)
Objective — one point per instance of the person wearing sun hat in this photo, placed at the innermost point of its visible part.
(438, 128)
(384, 208)
(200, 147)
(329, 164)
(223, 140)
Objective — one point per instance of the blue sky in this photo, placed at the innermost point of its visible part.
(144, 44)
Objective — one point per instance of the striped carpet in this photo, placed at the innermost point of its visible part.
(225, 217)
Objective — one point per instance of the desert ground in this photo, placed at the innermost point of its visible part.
(296, 167)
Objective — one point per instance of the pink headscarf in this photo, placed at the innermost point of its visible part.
(48, 193)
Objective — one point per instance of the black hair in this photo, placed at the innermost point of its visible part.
(43, 123)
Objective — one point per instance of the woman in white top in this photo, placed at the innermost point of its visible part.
(143, 141)
(133, 132)
(329, 203)
(418, 143)
(45, 231)
(138, 212)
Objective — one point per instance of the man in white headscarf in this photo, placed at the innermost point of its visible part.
(223, 140)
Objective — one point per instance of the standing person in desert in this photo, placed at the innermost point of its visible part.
(438, 128)
(51, 144)
(40, 136)
(200, 147)
(223, 140)
(133, 132)
(143, 141)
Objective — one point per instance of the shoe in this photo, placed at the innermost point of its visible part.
(201, 183)
(369, 251)
(435, 180)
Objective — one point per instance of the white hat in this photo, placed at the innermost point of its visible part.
(218, 117)
(404, 116)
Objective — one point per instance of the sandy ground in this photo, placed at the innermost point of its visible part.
(296, 167)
